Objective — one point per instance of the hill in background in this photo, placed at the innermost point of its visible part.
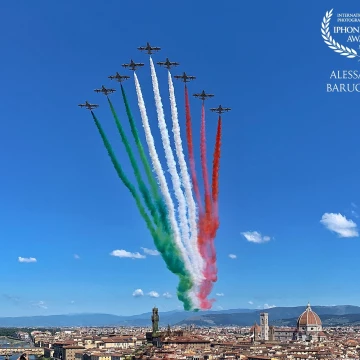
(279, 316)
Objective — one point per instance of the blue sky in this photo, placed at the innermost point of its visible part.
(290, 153)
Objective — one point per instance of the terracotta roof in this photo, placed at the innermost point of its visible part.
(65, 342)
(308, 317)
(256, 327)
(352, 342)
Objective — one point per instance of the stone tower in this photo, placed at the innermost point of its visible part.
(155, 321)
(264, 325)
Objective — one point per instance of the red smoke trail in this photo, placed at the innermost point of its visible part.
(212, 226)
(208, 222)
(206, 285)
(191, 150)
(215, 179)
(203, 163)
(207, 251)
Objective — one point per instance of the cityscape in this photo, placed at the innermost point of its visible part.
(309, 339)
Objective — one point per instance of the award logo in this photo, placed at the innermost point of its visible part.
(350, 34)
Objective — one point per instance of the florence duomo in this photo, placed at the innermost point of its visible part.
(308, 328)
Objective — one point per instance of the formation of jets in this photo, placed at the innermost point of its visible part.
(203, 95)
(220, 109)
(88, 105)
(132, 65)
(118, 77)
(104, 90)
(185, 78)
(168, 64)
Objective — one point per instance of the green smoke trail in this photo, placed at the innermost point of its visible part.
(166, 247)
(154, 187)
(163, 241)
(123, 177)
(143, 189)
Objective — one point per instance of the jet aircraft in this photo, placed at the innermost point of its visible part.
(88, 105)
(168, 64)
(203, 96)
(104, 90)
(119, 77)
(132, 65)
(185, 78)
(220, 109)
(149, 49)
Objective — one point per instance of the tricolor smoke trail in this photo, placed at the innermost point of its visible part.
(184, 235)
(185, 178)
(184, 271)
(184, 227)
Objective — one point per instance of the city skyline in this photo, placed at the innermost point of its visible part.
(72, 239)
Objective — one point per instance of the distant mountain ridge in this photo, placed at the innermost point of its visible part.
(287, 316)
(72, 320)
(279, 316)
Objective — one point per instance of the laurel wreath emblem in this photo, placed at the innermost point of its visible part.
(340, 49)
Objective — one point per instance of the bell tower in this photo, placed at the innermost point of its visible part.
(264, 325)
(155, 321)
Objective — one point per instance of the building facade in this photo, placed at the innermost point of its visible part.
(264, 324)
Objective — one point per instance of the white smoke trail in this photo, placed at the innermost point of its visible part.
(184, 226)
(198, 261)
(162, 182)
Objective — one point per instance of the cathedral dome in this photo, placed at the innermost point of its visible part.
(308, 318)
(255, 327)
